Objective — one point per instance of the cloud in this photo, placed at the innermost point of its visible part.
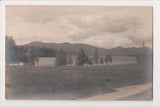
(102, 26)
(123, 25)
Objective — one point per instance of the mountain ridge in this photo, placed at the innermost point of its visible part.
(89, 49)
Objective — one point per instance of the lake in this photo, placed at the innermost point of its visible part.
(116, 60)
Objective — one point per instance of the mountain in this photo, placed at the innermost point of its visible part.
(89, 49)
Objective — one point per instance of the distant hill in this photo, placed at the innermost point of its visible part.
(89, 49)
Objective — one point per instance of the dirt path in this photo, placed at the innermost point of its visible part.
(121, 92)
(145, 95)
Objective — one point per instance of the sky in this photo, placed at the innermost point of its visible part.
(101, 26)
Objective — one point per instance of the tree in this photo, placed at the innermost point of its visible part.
(96, 56)
(10, 49)
(81, 58)
(106, 59)
(60, 58)
(87, 59)
(21, 55)
(138, 59)
(36, 60)
(47, 52)
(70, 61)
(24, 58)
(90, 62)
(31, 55)
(101, 60)
(146, 56)
(19, 58)
(110, 58)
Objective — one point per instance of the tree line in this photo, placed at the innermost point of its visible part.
(25, 54)
(82, 58)
(30, 55)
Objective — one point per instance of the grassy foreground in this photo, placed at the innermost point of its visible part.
(72, 82)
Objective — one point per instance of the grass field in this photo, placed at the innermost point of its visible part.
(71, 82)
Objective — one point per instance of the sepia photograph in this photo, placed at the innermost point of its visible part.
(78, 52)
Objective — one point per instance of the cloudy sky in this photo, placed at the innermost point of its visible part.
(101, 26)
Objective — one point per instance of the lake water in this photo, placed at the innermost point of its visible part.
(116, 60)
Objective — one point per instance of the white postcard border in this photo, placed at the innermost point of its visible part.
(48, 103)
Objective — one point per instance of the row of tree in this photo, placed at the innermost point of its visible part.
(146, 57)
(30, 55)
(82, 58)
(25, 54)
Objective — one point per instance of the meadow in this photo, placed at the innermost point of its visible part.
(72, 82)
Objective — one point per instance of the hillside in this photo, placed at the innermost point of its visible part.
(89, 49)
